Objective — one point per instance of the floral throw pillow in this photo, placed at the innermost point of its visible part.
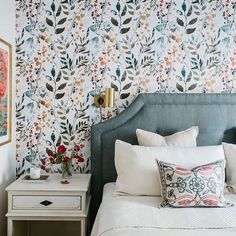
(202, 186)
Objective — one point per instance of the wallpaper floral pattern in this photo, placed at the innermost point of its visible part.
(69, 50)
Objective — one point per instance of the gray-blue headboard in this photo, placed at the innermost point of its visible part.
(215, 114)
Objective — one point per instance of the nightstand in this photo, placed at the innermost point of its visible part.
(32, 201)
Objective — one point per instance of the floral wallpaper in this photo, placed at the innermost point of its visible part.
(69, 50)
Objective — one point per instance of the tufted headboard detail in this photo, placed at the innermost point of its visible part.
(215, 114)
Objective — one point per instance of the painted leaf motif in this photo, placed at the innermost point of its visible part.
(123, 76)
(53, 138)
(118, 6)
(124, 95)
(114, 87)
(191, 22)
(124, 11)
(127, 86)
(53, 7)
(190, 31)
(118, 72)
(184, 7)
(114, 21)
(189, 77)
(62, 21)
(53, 72)
(58, 77)
(190, 11)
(49, 87)
(62, 86)
(58, 141)
(179, 87)
(183, 72)
(192, 87)
(59, 30)
(58, 11)
(49, 22)
(180, 22)
(127, 21)
(59, 95)
(124, 30)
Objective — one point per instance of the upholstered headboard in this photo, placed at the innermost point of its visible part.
(215, 114)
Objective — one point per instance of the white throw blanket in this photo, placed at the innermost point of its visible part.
(142, 216)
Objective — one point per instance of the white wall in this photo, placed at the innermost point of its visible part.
(7, 152)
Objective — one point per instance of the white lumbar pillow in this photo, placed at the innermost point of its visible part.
(230, 156)
(136, 165)
(185, 138)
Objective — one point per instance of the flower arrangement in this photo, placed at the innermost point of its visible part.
(60, 156)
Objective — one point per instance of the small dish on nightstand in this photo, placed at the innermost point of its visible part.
(42, 178)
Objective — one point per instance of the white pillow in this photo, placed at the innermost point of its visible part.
(136, 166)
(230, 156)
(186, 138)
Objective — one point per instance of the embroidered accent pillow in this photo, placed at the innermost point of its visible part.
(202, 186)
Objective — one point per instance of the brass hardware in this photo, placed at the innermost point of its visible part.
(105, 98)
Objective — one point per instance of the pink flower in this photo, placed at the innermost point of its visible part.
(76, 147)
(61, 149)
(66, 159)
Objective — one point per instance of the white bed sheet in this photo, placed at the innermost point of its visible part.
(142, 216)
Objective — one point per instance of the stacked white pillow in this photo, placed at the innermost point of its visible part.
(131, 161)
(230, 156)
(185, 138)
(137, 170)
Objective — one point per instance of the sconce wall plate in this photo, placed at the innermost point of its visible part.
(105, 98)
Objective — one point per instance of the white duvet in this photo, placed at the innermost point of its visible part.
(142, 216)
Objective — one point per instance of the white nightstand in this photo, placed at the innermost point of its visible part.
(48, 200)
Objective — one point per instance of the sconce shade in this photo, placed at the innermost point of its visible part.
(109, 97)
(105, 98)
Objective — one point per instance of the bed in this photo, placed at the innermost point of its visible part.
(214, 114)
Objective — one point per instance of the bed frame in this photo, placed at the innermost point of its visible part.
(215, 114)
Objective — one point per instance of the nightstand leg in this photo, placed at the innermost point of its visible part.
(9, 227)
(83, 227)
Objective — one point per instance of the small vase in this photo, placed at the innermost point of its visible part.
(66, 169)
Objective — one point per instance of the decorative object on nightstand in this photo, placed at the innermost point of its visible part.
(30, 203)
(34, 173)
(61, 157)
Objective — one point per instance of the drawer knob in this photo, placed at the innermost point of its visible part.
(46, 203)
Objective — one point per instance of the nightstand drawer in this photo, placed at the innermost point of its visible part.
(46, 202)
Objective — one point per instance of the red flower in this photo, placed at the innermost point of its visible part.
(43, 162)
(76, 147)
(52, 160)
(61, 149)
(80, 159)
(66, 159)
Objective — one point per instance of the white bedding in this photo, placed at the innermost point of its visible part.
(141, 216)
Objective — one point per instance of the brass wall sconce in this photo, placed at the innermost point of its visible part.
(105, 98)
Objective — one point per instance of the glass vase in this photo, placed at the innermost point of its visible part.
(66, 169)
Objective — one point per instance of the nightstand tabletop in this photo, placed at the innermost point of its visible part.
(78, 182)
